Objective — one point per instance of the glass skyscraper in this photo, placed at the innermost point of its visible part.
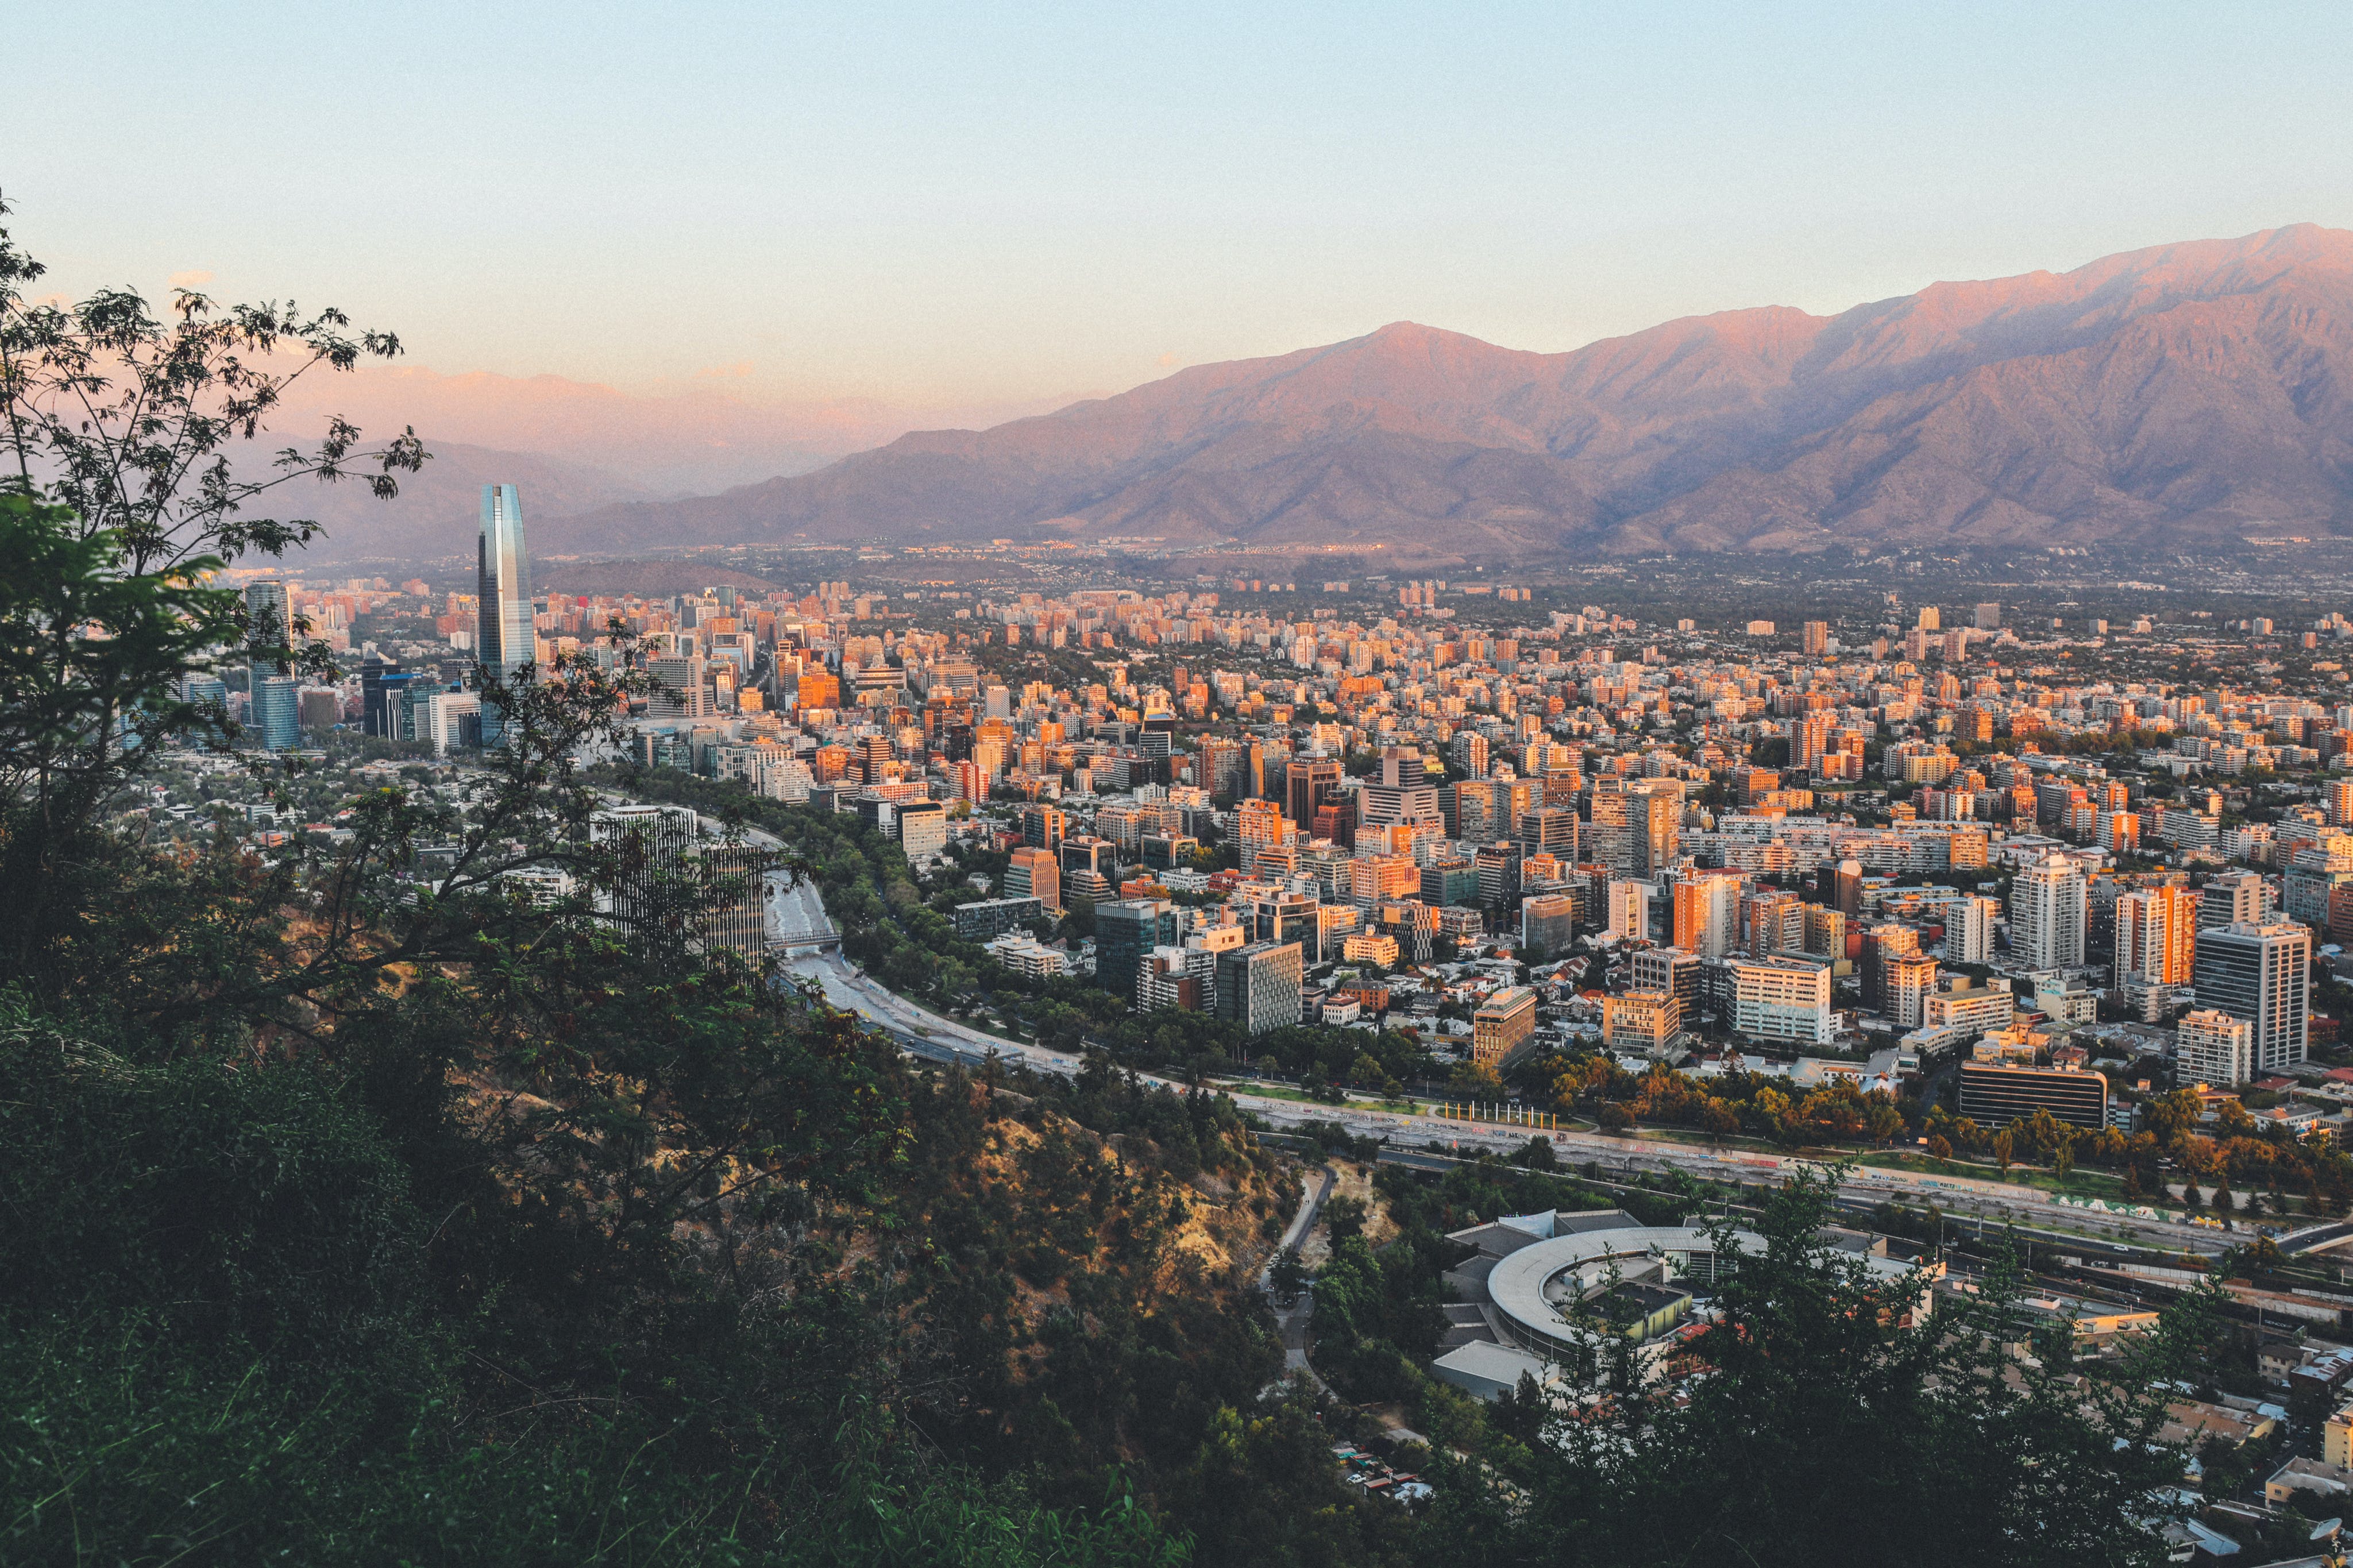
(505, 638)
(272, 713)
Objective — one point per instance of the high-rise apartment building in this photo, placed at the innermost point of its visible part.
(2157, 936)
(2046, 913)
(1707, 914)
(1781, 999)
(2237, 898)
(1909, 980)
(1968, 931)
(1311, 783)
(1815, 638)
(2262, 973)
(2213, 1048)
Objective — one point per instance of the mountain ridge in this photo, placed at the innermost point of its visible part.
(2166, 395)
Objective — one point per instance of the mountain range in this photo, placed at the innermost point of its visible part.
(2191, 393)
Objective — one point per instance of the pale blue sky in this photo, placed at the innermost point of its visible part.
(965, 202)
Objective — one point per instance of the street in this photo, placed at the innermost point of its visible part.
(796, 912)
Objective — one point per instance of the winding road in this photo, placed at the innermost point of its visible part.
(798, 923)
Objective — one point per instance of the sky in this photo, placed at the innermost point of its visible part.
(975, 204)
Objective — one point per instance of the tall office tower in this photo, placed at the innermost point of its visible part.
(2213, 1048)
(1815, 638)
(2046, 914)
(873, 758)
(2157, 936)
(276, 712)
(1989, 617)
(2263, 975)
(1312, 783)
(1548, 926)
(1400, 798)
(1848, 888)
(269, 625)
(2238, 899)
(1968, 931)
(505, 638)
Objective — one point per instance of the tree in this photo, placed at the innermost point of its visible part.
(1287, 1277)
(2003, 1144)
(1836, 1427)
(1537, 1155)
(1344, 1217)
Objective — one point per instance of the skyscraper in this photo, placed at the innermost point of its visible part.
(274, 713)
(505, 638)
(2263, 975)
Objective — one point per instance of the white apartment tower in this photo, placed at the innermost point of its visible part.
(2046, 914)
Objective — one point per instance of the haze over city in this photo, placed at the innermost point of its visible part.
(1274, 788)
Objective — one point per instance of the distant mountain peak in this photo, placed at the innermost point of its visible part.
(2170, 393)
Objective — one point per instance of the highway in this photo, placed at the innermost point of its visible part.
(797, 919)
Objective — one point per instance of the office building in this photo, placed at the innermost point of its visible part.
(1125, 932)
(984, 919)
(1848, 887)
(1504, 1028)
(1673, 971)
(2263, 975)
(923, 828)
(1548, 830)
(734, 886)
(1259, 985)
(1034, 873)
(2046, 914)
(1548, 925)
(2215, 1048)
(277, 715)
(1781, 999)
(506, 635)
(1994, 1094)
(641, 849)
(1312, 784)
